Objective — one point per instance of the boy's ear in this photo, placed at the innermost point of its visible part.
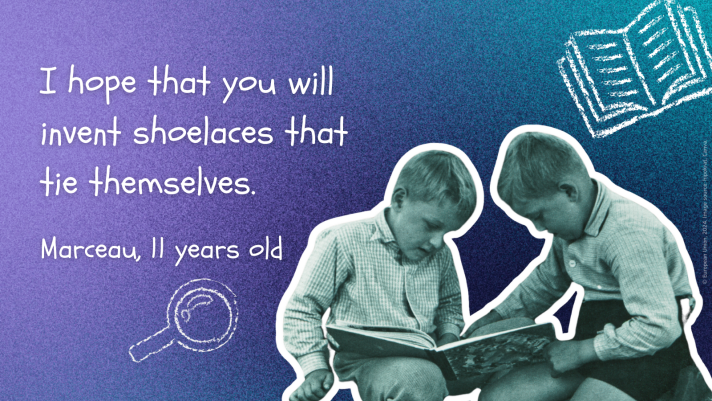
(398, 196)
(571, 190)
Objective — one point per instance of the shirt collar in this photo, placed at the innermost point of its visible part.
(599, 211)
(382, 232)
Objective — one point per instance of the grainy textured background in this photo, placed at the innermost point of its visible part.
(406, 73)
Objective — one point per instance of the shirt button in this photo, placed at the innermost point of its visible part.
(572, 263)
(599, 287)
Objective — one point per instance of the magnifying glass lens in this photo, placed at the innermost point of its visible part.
(203, 316)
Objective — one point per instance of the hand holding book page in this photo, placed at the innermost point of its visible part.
(508, 346)
(617, 77)
(485, 320)
(502, 325)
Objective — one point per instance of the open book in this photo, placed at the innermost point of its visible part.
(465, 358)
(658, 61)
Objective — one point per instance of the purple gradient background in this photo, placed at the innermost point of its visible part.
(406, 73)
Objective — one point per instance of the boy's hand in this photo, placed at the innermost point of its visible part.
(564, 356)
(447, 338)
(315, 386)
(491, 317)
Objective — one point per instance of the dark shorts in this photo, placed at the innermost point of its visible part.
(645, 378)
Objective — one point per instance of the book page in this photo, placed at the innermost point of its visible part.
(398, 334)
(661, 54)
(496, 353)
(607, 67)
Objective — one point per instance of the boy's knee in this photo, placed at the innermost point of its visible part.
(409, 380)
(416, 391)
(499, 393)
(489, 394)
(422, 384)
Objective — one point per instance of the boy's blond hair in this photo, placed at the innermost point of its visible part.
(439, 175)
(535, 164)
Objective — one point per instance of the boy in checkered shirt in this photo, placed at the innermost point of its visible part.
(394, 270)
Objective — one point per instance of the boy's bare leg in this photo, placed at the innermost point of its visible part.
(532, 383)
(468, 385)
(595, 390)
(392, 378)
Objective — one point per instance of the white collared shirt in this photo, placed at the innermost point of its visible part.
(625, 253)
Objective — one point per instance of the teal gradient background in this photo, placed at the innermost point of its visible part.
(406, 73)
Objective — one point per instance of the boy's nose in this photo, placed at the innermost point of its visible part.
(436, 241)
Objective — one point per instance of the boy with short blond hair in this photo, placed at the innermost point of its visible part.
(394, 270)
(628, 342)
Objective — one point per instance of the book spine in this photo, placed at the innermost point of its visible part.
(439, 359)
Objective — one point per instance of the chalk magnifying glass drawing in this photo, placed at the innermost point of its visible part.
(201, 316)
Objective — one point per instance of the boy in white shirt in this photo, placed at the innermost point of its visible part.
(628, 343)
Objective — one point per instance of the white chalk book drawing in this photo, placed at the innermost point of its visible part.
(658, 61)
(465, 358)
(201, 316)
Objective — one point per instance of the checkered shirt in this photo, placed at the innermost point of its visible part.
(358, 271)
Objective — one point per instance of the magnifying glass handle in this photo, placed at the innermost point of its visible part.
(152, 345)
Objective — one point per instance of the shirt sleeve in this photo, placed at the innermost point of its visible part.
(322, 276)
(637, 260)
(544, 285)
(448, 318)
